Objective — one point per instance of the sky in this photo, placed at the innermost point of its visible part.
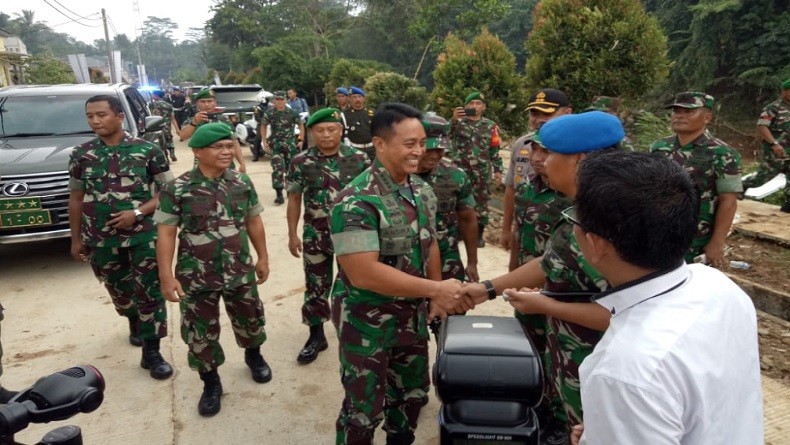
(121, 13)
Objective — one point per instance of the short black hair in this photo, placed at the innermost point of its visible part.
(646, 205)
(115, 104)
(390, 113)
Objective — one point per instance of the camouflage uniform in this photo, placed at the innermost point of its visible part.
(319, 179)
(775, 116)
(214, 261)
(282, 141)
(115, 179)
(475, 148)
(537, 211)
(383, 339)
(164, 109)
(453, 193)
(358, 130)
(715, 169)
(569, 343)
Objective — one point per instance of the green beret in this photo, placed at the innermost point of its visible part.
(786, 84)
(207, 134)
(203, 94)
(473, 96)
(325, 115)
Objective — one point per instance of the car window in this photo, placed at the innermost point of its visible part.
(58, 114)
(139, 109)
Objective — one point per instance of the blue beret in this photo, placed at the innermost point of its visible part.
(342, 90)
(581, 133)
(356, 90)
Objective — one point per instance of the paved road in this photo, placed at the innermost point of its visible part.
(57, 316)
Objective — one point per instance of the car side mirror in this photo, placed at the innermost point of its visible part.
(154, 123)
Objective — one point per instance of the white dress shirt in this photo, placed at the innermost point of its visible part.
(678, 364)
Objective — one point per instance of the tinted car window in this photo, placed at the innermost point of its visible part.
(43, 114)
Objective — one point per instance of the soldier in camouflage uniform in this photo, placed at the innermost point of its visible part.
(160, 107)
(207, 112)
(455, 215)
(282, 140)
(713, 165)
(317, 175)
(774, 128)
(384, 234)
(475, 148)
(217, 212)
(574, 324)
(110, 203)
(544, 105)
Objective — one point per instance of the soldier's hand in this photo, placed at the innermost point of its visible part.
(262, 271)
(778, 150)
(476, 292)
(436, 311)
(199, 117)
(458, 113)
(527, 301)
(122, 220)
(576, 434)
(448, 297)
(78, 251)
(171, 289)
(471, 273)
(714, 252)
(498, 179)
(295, 245)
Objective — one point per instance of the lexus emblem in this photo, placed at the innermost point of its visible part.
(15, 189)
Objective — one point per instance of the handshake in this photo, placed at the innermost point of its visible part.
(452, 297)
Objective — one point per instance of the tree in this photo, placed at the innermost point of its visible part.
(348, 72)
(487, 66)
(394, 87)
(595, 47)
(46, 70)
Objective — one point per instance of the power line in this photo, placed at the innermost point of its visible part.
(72, 19)
(74, 13)
(112, 26)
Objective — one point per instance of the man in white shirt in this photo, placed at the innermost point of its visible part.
(679, 362)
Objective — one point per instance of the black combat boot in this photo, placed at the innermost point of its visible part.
(6, 395)
(405, 438)
(210, 401)
(134, 331)
(786, 206)
(153, 361)
(261, 372)
(173, 155)
(315, 344)
(481, 242)
(279, 199)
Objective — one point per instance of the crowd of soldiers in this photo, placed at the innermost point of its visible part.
(388, 194)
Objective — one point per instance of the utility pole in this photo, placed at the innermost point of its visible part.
(136, 7)
(109, 51)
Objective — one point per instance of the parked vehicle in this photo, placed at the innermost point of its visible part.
(39, 127)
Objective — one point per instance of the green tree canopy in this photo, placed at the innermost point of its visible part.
(46, 70)
(487, 66)
(595, 47)
(348, 72)
(394, 87)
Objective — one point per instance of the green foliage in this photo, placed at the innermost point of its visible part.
(46, 70)
(644, 128)
(595, 47)
(348, 72)
(487, 66)
(394, 87)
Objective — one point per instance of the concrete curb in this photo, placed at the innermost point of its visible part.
(768, 300)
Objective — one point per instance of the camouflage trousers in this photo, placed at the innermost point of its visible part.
(481, 191)
(383, 367)
(131, 277)
(550, 411)
(167, 131)
(200, 323)
(1, 343)
(318, 256)
(770, 166)
(282, 153)
(452, 265)
(568, 344)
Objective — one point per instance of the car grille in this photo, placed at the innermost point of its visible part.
(53, 189)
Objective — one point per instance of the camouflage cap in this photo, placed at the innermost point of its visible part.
(207, 134)
(436, 130)
(605, 104)
(692, 100)
(786, 84)
(474, 96)
(324, 115)
(203, 94)
(279, 94)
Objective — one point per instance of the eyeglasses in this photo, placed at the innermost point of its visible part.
(569, 215)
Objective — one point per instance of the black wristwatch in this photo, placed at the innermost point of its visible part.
(490, 289)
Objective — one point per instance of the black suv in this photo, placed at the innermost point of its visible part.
(237, 99)
(39, 127)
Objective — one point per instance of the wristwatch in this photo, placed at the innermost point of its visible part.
(490, 289)
(138, 214)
